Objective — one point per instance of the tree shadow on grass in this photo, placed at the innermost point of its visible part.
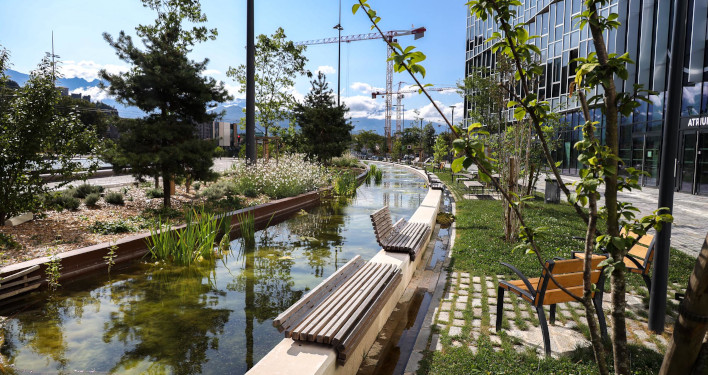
(642, 360)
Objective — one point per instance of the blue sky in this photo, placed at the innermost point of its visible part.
(26, 27)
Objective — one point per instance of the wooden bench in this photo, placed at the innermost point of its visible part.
(542, 291)
(340, 310)
(435, 182)
(639, 258)
(400, 237)
(20, 282)
(473, 186)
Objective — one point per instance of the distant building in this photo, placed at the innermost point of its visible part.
(64, 91)
(225, 133)
(76, 96)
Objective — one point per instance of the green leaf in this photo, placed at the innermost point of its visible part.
(355, 8)
(457, 164)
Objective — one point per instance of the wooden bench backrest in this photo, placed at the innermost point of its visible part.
(643, 250)
(20, 282)
(383, 224)
(569, 274)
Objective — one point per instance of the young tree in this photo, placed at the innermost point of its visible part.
(278, 63)
(369, 141)
(165, 83)
(35, 138)
(441, 148)
(322, 123)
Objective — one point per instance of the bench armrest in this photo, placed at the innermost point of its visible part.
(634, 260)
(522, 276)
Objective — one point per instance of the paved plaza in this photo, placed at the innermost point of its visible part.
(690, 214)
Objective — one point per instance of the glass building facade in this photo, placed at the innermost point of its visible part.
(645, 34)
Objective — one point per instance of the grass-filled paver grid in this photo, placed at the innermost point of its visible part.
(474, 346)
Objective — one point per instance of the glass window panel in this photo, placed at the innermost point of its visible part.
(657, 106)
(704, 100)
(691, 102)
(651, 160)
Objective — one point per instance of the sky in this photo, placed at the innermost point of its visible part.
(26, 31)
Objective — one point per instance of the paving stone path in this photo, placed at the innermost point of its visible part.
(467, 315)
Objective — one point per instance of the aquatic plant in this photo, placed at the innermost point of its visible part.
(188, 245)
(345, 184)
(374, 173)
(247, 223)
(110, 257)
(53, 272)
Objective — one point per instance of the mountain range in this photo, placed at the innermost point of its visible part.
(232, 111)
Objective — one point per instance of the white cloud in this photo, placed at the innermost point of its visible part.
(211, 72)
(326, 69)
(430, 114)
(233, 91)
(96, 93)
(88, 70)
(361, 106)
(365, 88)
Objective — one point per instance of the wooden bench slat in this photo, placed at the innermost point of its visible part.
(18, 274)
(347, 316)
(320, 312)
(25, 280)
(311, 297)
(19, 291)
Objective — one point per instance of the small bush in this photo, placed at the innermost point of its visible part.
(154, 193)
(345, 184)
(220, 190)
(114, 198)
(92, 199)
(60, 201)
(7, 242)
(85, 190)
(347, 161)
(112, 227)
(197, 185)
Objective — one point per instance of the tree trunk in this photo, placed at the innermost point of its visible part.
(701, 365)
(691, 326)
(3, 217)
(511, 222)
(166, 179)
(157, 181)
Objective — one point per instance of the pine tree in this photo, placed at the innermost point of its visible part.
(322, 122)
(167, 85)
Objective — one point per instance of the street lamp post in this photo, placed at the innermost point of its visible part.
(250, 85)
(453, 115)
(339, 52)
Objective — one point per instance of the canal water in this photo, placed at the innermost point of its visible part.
(211, 319)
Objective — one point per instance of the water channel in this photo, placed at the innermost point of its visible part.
(212, 319)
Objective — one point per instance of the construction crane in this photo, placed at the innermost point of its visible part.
(399, 96)
(417, 33)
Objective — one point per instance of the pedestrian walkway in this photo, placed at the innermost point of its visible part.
(220, 165)
(690, 213)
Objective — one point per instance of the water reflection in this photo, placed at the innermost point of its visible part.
(213, 318)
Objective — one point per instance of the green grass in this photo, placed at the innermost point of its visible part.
(480, 246)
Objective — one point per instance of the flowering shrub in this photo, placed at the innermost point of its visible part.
(289, 176)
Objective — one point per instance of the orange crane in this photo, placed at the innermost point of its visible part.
(399, 96)
(417, 33)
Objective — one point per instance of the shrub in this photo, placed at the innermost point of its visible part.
(346, 161)
(85, 190)
(60, 201)
(154, 193)
(92, 199)
(289, 176)
(114, 198)
(197, 185)
(112, 227)
(219, 190)
(7, 242)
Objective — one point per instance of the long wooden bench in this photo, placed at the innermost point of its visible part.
(20, 282)
(339, 311)
(542, 291)
(402, 237)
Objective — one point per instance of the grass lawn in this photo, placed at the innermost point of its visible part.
(479, 247)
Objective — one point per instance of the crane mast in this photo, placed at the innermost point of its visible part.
(417, 33)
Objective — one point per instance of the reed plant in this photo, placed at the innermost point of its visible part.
(189, 245)
(247, 223)
(345, 184)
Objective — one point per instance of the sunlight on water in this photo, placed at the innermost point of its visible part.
(213, 318)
